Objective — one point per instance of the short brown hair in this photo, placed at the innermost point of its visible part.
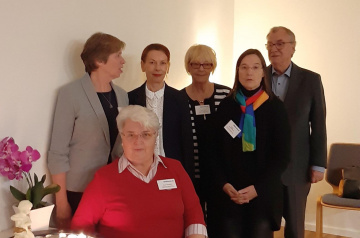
(98, 48)
(264, 82)
(155, 46)
(200, 52)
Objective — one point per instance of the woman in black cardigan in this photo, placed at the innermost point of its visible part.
(175, 136)
(250, 141)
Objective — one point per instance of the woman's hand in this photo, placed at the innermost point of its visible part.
(230, 190)
(62, 206)
(242, 196)
(247, 194)
(63, 215)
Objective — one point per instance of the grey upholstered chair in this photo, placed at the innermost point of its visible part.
(341, 155)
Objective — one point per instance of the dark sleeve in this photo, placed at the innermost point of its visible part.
(215, 166)
(186, 135)
(318, 141)
(277, 154)
(138, 96)
(192, 210)
(131, 96)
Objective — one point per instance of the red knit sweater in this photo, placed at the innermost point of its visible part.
(121, 205)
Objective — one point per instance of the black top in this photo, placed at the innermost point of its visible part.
(199, 126)
(110, 106)
(262, 167)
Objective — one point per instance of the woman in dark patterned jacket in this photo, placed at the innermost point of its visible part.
(204, 98)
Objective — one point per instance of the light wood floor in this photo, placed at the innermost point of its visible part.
(308, 234)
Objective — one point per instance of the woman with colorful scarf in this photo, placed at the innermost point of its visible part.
(250, 150)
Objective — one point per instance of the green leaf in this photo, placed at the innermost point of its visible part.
(36, 178)
(43, 178)
(52, 188)
(28, 195)
(42, 204)
(37, 194)
(17, 194)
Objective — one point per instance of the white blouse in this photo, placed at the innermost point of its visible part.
(155, 102)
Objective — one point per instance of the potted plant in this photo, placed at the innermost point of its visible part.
(15, 164)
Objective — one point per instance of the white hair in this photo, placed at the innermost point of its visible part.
(136, 113)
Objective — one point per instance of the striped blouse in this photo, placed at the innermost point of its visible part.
(198, 122)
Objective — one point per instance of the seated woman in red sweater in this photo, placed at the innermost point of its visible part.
(141, 194)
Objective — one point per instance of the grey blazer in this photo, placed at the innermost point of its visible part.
(80, 141)
(305, 106)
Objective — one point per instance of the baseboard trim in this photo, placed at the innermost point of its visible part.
(334, 230)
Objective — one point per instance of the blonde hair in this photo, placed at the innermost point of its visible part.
(200, 53)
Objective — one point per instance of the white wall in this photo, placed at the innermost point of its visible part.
(328, 36)
(40, 48)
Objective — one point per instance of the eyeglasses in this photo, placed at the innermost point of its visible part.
(245, 68)
(278, 45)
(132, 136)
(205, 65)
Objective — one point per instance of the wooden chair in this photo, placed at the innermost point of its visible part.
(341, 155)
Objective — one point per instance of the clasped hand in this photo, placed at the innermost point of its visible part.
(242, 196)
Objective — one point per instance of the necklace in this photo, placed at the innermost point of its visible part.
(109, 101)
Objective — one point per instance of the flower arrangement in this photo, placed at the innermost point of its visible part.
(15, 164)
(22, 220)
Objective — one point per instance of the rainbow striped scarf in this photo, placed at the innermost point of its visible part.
(247, 123)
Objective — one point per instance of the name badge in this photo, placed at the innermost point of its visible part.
(166, 184)
(202, 109)
(232, 129)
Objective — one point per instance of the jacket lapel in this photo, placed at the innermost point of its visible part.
(96, 105)
(117, 93)
(141, 96)
(294, 83)
(167, 105)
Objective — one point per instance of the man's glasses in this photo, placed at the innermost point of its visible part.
(132, 136)
(205, 65)
(278, 45)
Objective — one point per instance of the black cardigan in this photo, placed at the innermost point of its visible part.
(264, 166)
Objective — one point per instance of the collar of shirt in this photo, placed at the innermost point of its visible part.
(158, 94)
(287, 71)
(124, 163)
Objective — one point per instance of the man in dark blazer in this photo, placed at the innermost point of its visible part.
(176, 125)
(303, 96)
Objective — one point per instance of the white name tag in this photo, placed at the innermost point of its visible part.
(166, 184)
(232, 129)
(202, 109)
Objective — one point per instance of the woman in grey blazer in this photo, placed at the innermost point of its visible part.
(84, 128)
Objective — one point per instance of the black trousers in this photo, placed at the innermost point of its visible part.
(74, 200)
(237, 221)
